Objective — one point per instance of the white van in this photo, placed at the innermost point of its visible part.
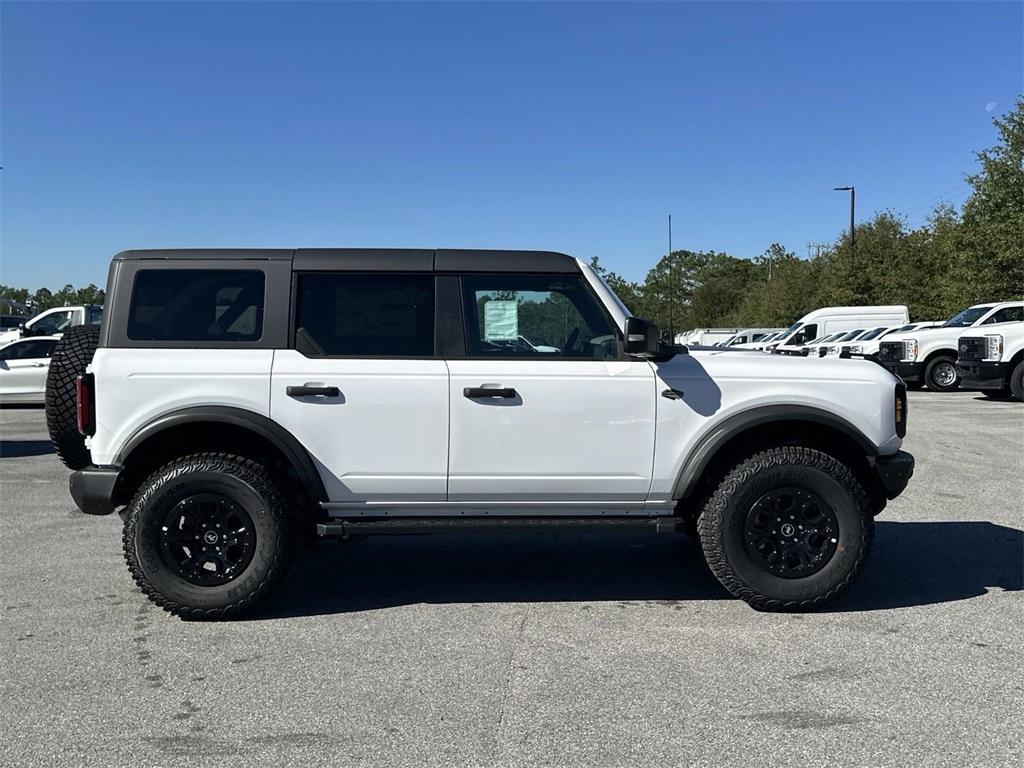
(705, 337)
(828, 320)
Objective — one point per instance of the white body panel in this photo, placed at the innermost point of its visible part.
(384, 439)
(579, 430)
(136, 386)
(718, 385)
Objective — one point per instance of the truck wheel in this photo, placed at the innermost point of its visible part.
(787, 529)
(1017, 381)
(70, 356)
(209, 536)
(940, 374)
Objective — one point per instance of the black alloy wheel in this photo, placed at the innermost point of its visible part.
(207, 539)
(791, 532)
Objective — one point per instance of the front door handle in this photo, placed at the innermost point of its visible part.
(673, 394)
(307, 390)
(476, 393)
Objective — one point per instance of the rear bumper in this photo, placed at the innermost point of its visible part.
(92, 489)
(983, 375)
(894, 472)
(907, 371)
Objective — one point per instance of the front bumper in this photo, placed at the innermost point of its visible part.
(911, 372)
(93, 489)
(983, 375)
(894, 472)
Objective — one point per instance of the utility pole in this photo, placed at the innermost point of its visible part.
(671, 287)
(853, 198)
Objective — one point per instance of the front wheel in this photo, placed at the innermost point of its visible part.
(209, 536)
(787, 529)
(941, 375)
(1017, 381)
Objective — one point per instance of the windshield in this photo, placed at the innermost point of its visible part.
(851, 335)
(789, 331)
(965, 318)
(874, 333)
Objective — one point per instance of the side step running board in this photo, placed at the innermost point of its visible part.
(402, 526)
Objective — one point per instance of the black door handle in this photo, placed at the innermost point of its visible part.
(308, 391)
(673, 394)
(473, 393)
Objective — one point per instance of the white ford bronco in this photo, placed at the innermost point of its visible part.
(235, 402)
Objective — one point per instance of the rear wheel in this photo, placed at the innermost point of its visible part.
(209, 536)
(940, 374)
(70, 356)
(787, 529)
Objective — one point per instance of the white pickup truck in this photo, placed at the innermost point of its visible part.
(54, 321)
(991, 360)
(928, 356)
(236, 401)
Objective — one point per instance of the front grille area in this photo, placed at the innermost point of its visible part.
(971, 349)
(890, 351)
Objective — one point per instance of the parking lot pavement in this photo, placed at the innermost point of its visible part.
(559, 650)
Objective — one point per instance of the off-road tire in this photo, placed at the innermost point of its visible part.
(721, 528)
(70, 357)
(272, 510)
(1017, 381)
(931, 371)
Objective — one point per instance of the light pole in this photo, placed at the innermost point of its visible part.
(853, 198)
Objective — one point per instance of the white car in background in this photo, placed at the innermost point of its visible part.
(54, 321)
(23, 367)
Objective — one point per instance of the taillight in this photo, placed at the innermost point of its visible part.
(86, 412)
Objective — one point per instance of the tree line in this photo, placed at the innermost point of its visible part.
(955, 259)
(16, 301)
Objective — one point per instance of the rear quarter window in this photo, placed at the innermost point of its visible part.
(197, 305)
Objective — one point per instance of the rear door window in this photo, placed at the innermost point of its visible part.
(197, 305)
(365, 315)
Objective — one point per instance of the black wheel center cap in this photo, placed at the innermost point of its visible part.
(210, 537)
(788, 529)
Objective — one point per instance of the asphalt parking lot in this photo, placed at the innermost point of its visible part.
(557, 650)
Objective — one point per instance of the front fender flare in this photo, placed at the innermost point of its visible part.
(704, 451)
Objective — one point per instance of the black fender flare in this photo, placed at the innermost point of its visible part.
(704, 451)
(270, 430)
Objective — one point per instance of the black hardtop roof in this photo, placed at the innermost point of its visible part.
(374, 259)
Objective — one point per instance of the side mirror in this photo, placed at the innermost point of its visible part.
(642, 337)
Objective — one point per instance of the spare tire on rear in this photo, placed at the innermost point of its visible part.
(70, 357)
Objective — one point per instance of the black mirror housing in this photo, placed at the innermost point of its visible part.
(642, 337)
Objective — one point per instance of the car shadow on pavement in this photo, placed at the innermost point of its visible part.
(14, 449)
(914, 563)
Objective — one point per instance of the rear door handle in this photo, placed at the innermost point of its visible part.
(476, 393)
(307, 390)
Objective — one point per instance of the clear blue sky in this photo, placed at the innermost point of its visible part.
(567, 126)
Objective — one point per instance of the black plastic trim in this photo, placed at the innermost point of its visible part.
(270, 430)
(493, 524)
(702, 454)
(894, 472)
(92, 489)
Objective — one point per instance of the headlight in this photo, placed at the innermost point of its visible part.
(856, 349)
(994, 347)
(910, 349)
(832, 351)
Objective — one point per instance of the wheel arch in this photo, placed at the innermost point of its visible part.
(746, 433)
(940, 352)
(235, 430)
